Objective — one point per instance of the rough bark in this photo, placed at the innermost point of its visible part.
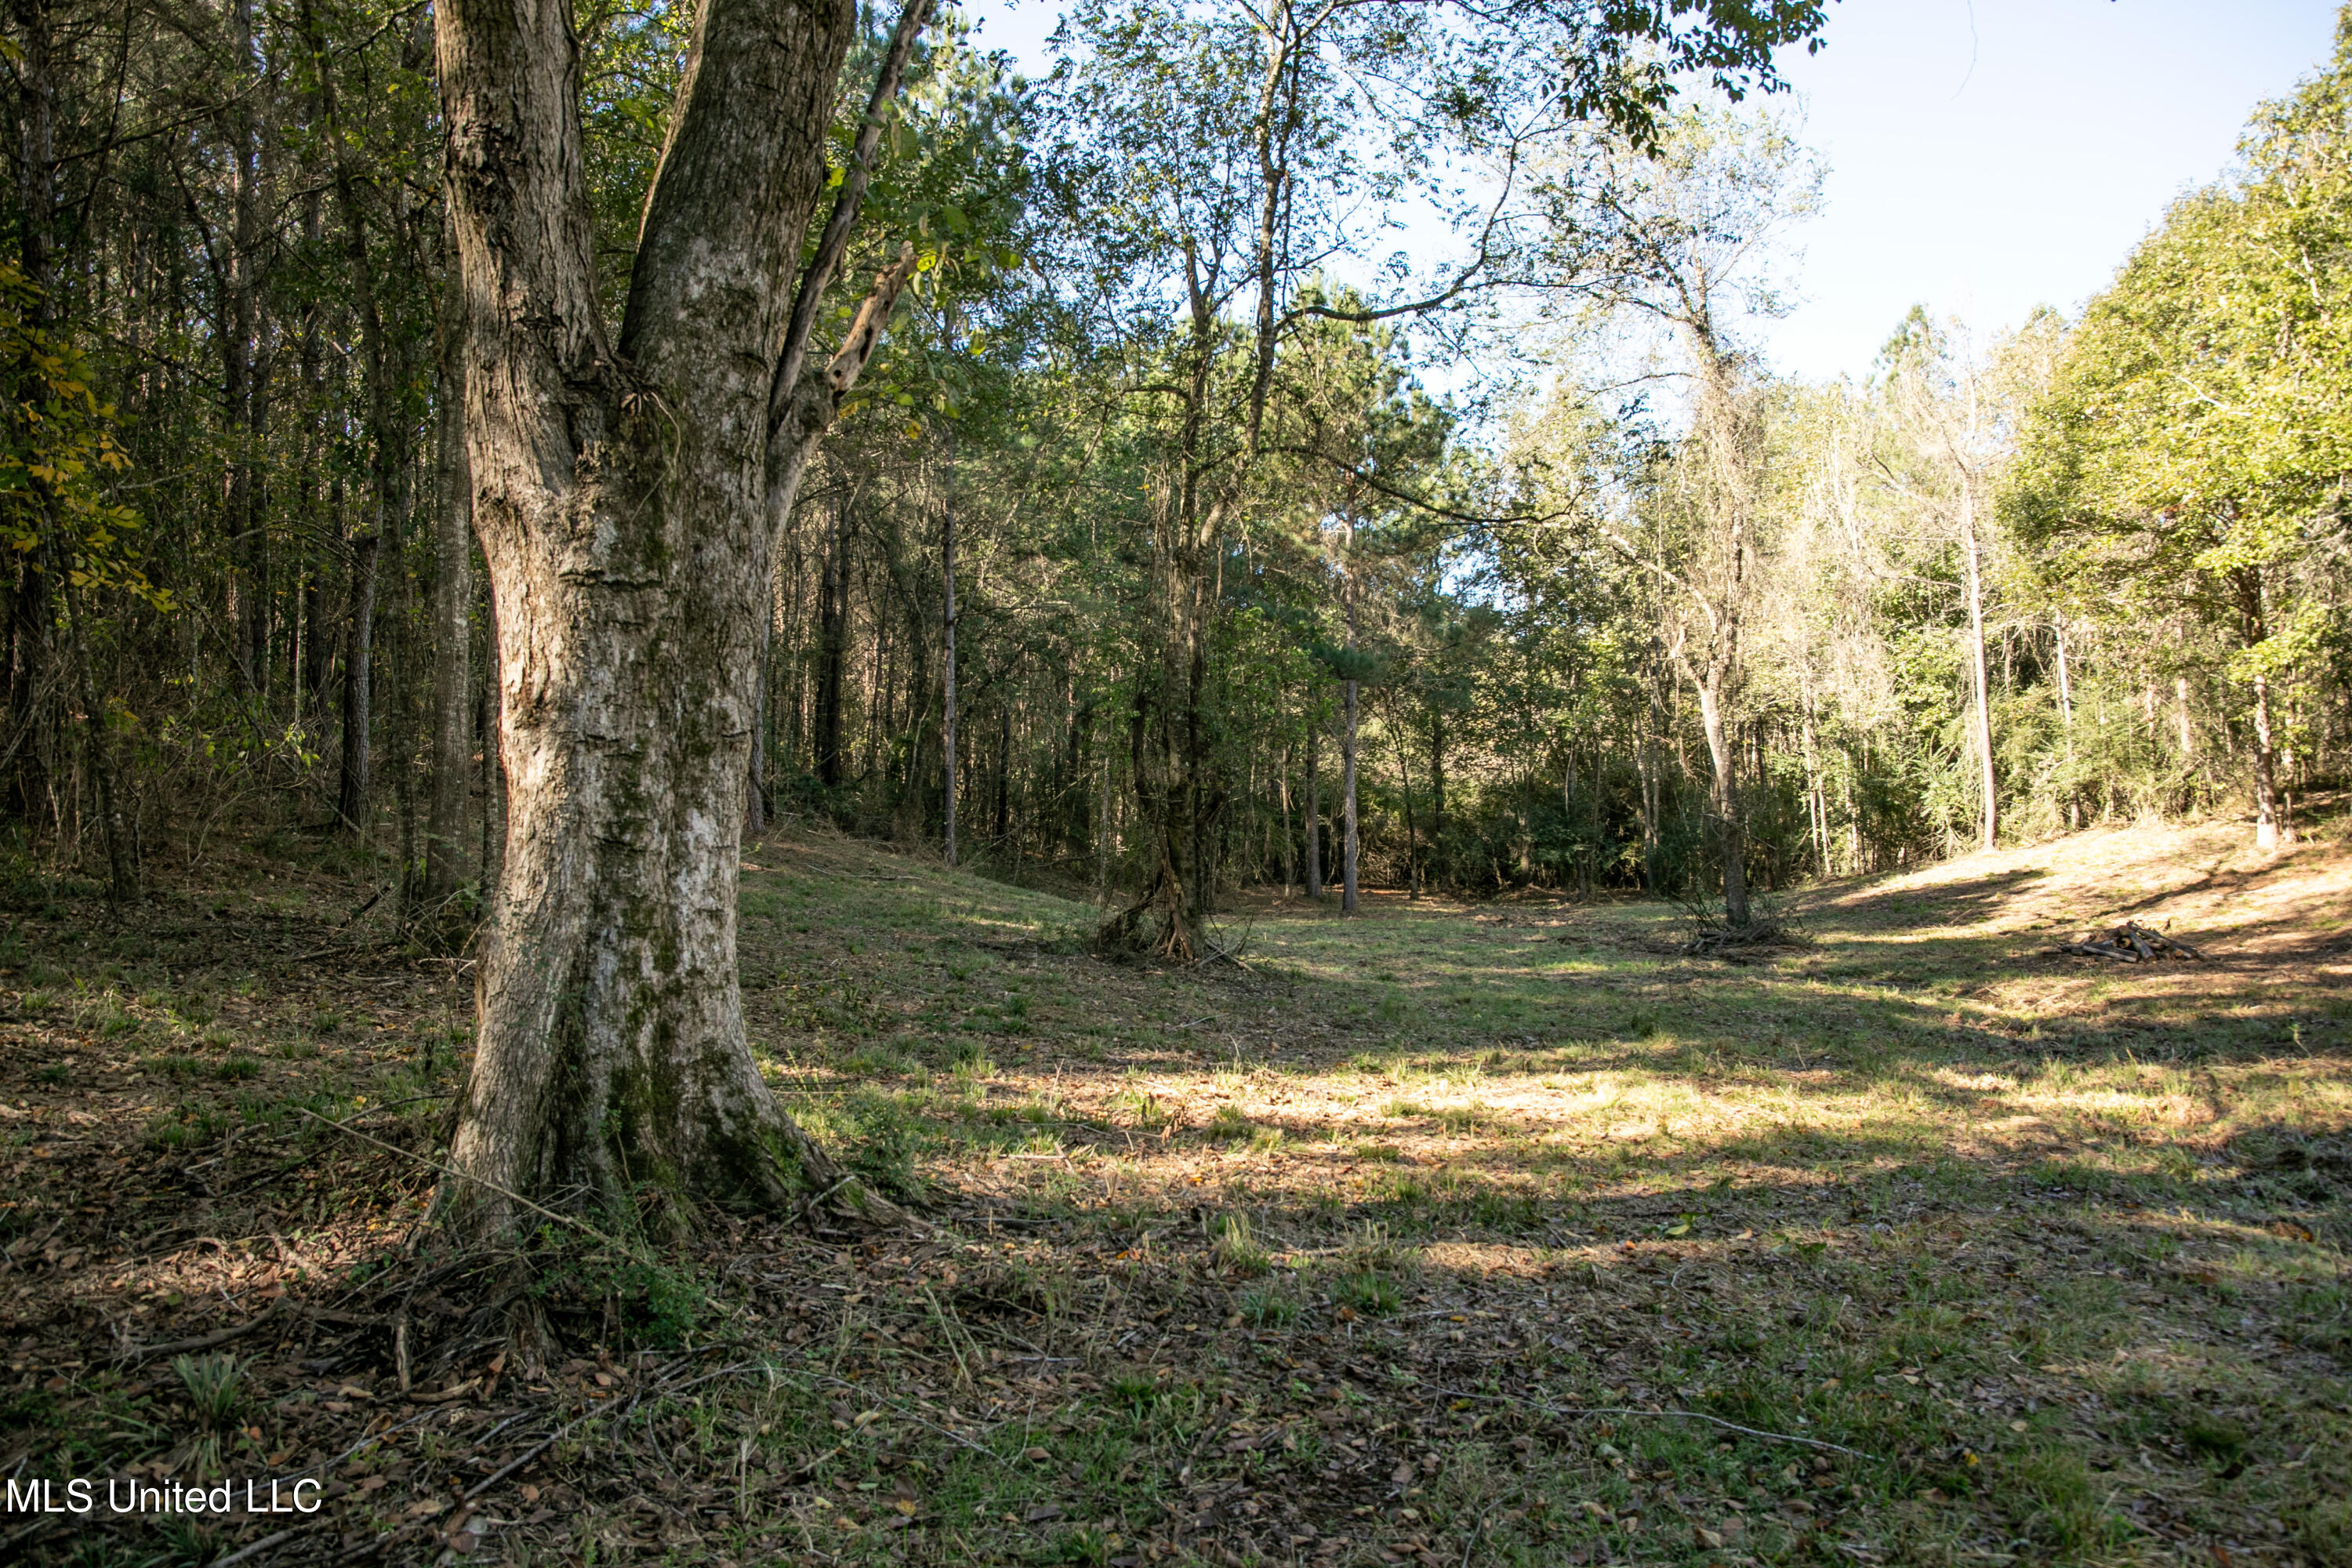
(628, 496)
(1169, 739)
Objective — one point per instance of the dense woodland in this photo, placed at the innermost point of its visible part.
(1193, 531)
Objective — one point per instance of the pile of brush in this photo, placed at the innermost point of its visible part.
(2131, 943)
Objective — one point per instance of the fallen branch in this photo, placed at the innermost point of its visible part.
(202, 1342)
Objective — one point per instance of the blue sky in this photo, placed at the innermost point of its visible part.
(1985, 156)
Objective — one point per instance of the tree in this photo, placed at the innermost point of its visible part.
(1941, 404)
(628, 490)
(1691, 225)
(1224, 152)
(2192, 453)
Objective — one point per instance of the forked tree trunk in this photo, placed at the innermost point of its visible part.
(629, 497)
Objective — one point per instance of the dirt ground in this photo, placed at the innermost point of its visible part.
(1453, 1234)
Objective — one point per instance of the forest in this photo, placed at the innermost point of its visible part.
(651, 647)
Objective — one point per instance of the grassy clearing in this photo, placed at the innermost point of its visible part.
(1502, 1233)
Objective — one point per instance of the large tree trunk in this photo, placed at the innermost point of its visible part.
(1170, 742)
(628, 498)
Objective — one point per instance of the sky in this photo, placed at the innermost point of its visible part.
(1984, 156)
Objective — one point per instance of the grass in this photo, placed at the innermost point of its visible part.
(1437, 1236)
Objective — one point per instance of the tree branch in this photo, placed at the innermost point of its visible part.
(1435, 509)
(835, 241)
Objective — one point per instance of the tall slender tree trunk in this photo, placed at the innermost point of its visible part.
(32, 611)
(1411, 843)
(1348, 798)
(755, 771)
(237, 388)
(1003, 768)
(1314, 811)
(948, 668)
(1724, 796)
(2270, 828)
(629, 495)
(1437, 872)
(1817, 809)
(831, 647)
(2066, 718)
(114, 833)
(452, 613)
(385, 468)
(354, 787)
(1103, 830)
(1289, 834)
(1987, 782)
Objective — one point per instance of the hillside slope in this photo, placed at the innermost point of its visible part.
(1505, 1232)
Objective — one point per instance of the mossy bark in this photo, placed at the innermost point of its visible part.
(627, 495)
